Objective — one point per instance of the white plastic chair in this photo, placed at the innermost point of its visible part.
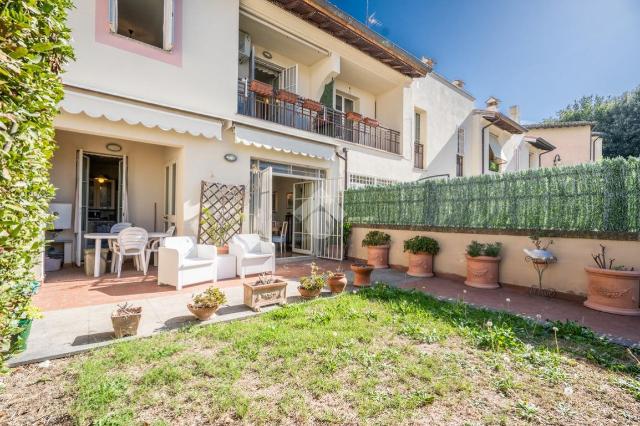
(154, 244)
(253, 256)
(281, 239)
(184, 262)
(115, 229)
(132, 241)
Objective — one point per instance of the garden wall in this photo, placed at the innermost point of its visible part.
(566, 276)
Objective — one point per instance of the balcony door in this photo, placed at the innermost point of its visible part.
(303, 215)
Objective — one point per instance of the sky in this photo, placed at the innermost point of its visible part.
(538, 54)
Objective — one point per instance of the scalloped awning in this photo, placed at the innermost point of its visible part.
(131, 112)
(282, 143)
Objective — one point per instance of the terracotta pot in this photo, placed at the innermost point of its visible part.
(483, 271)
(378, 256)
(337, 282)
(202, 314)
(371, 122)
(354, 116)
(420, 265)
(362, 275)
(126, 325)
(309, 294)
(223, 249)
(616, 292)
(257, 295)
(312, 105)
(288, 97)
(261, 88)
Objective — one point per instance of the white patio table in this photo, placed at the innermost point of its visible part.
(99, 236)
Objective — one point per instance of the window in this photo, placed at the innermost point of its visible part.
(460, 153)
(147, 21)
(495, 154)
(362, 181)
(532, 161)
(344, 104)
(417, 119)
(418, 146)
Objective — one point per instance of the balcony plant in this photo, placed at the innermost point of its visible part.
(286, 96)
(311, 285)
(371, 122)
(377, 243)
(125, 320)
(354, 116)
(421, 251)
(204, 305)
(612, 288)
(312, 105)
(337, 281)
(483, 265)
(260, 88)
(267, 290)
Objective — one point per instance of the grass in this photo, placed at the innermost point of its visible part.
(381, 356)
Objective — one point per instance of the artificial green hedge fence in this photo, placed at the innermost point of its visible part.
(33, 49)
(596, 198)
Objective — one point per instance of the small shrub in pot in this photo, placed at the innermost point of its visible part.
(483, 264)
(612, 288)
(204, 305)
(377, 244)
(421, 251)
(311, 285)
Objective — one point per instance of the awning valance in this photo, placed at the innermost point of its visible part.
(282, 143)
(116, 109)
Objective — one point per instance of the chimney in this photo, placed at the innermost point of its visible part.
(458, 83)
(493, 103)
(514, 113)
(427, 61)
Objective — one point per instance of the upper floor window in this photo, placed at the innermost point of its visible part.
(345, 104)
(147, 21)
(460, 153)
(417, 119)
(495, 154)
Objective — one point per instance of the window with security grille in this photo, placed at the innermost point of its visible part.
(362, 181)
(460, 153)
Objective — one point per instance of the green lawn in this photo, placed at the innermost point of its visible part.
(381, 356)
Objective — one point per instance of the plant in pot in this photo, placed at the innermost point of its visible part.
(125, 320)
(217, 229)
(266, 291)
(421, 251)
(346, 235)
(612, 288)
(204, 305)
(337, 280)
(483, 264)
(311, 285)
(377, 244)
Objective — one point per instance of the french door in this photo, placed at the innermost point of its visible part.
(261, 209)
(170, 177)
(303, 215)
(328, 229)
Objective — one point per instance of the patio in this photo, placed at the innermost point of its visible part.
(76, 308)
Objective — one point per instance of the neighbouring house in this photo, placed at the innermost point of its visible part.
(575, 141)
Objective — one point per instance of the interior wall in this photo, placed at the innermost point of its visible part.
(282, 186)
(567, 276)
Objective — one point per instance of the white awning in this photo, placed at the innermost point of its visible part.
(495, 146)
(114, 109)
(283, 143)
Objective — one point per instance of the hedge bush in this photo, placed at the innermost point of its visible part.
(603, 197)
(33, 49)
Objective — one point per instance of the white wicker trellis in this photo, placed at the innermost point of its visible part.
(225, 204)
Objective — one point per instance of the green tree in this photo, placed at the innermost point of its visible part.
(34, 46)
(617, 116)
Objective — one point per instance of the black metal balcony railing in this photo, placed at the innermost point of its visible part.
(418, 156)
(328, 121)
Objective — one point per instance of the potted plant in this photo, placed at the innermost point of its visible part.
(125, 320)
(421, 251)
(354, 116)
(260, 88)
(361, 274)
(346, 234)
(286, 96)
(612, 288)
(371, 122)
(217, 229)
(266, 291)
(377, 243)
(483, 264)
(312, 105)
(337, 281)
(311, 285)
(204, 305)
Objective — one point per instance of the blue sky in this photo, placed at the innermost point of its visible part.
(539, 54)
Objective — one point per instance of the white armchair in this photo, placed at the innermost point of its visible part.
(253, 255)
(183, 262)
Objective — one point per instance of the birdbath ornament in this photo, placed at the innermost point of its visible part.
(540, 258)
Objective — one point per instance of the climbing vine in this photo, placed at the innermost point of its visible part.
(34, 46)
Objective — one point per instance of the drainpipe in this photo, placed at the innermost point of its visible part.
(483, 129)
(434, 176)
(346, 162)
(540, 157)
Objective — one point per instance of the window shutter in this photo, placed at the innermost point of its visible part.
(289, 79)
(113, 16)
(169, 25)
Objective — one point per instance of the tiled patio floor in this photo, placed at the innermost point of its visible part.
(76, 308)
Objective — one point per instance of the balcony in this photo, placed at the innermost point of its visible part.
(418, 156)
(316, 118)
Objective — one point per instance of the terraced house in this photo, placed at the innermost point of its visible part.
(293, 100)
